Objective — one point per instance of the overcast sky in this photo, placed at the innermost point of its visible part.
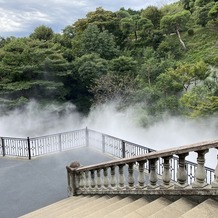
(19, 18)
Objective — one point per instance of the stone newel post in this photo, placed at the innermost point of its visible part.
(72, 179)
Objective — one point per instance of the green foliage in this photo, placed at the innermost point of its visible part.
(124, 66)
(199, 102)
(94, 41)
(172, 23)
(191, 32)
(42, 33)
(213, 13)
(153, 14)
(90, 67)
(132, 55)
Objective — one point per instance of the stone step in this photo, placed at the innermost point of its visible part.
(108, 208)
(126, 207)
(207, 209)
(92, 207)
(71, 201)
(150, 208)
(96, 207)
(121, 212)
(71, 207)
(175, 209)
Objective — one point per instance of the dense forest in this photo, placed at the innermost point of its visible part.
(162, 59)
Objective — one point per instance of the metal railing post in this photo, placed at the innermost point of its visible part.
(3, 147)
(29, 149)
(87, 137)
(59, 142)
(103, 143)
(123, 149)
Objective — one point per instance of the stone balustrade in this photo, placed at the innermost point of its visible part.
(129, 175)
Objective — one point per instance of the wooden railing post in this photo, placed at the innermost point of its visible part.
(3, 147)
(29, 149)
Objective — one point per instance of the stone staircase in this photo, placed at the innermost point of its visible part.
(132, 187)
(133, 206)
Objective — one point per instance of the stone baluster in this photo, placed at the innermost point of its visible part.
(182, 174)
(166, 176)
(121, 177)
(130, 175)
(141, 177)
(215, 182)
(113, 178)
(153, 174)
(93, 183)
(106, 182)
(81, 180)
(200, 173)
(99, 182)
(87, 181)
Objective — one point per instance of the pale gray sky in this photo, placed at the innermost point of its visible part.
(20, 17)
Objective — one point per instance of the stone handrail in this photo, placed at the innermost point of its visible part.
(128, 175)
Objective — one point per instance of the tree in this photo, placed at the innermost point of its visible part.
(145, 27)
(112, 86)
(189, 74)
(129, 26)
(42, 33)
(69, 31)
(202, 3)
(213, 13)
(202, 14)
(89, 67)
(94, 41)
(199, 102)
(123, 66)
(153, 14)
(122, 14)
(103, 19)
(175, 23)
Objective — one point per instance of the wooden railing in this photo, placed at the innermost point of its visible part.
(129, 175)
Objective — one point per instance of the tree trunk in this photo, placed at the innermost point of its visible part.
(178, 34)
